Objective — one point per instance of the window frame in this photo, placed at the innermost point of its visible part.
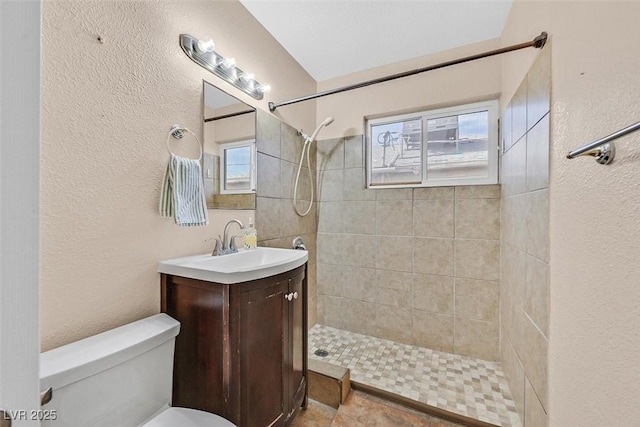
(493, 144)
(251, 143)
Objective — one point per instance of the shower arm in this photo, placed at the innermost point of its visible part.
(537, 43)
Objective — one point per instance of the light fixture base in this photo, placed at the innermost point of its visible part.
(213, 62)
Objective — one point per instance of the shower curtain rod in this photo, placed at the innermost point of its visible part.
(537, 42)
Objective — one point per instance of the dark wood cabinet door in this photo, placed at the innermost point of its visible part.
(198, 369)
(264, 354)
(297, 307)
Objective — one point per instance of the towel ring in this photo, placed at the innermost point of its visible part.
(178, 132)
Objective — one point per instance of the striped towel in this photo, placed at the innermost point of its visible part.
(182, 194)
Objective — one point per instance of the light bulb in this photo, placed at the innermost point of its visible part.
(203, 47)
(264, 88)
(229, 63)
(247, 77)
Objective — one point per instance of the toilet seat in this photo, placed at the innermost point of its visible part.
(184, 417)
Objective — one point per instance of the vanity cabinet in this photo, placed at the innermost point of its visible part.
(242, 348)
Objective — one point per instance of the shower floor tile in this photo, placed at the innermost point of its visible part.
(464, 385)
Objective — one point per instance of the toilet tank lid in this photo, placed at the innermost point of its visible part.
(81, 359)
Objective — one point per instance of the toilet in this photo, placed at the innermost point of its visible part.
(122, 377)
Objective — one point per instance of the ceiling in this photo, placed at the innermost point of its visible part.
(331, 38)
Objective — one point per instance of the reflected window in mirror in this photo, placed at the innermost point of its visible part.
(237, 167)
(229, 165)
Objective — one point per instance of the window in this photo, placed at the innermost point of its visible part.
(449, 146)
(237, 167)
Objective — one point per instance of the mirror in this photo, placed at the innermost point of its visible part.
(229, 160)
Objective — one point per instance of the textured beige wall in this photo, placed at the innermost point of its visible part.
(473, 81)
(594, 335)
(106, 111)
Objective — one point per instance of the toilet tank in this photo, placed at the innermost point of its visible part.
(121, 377)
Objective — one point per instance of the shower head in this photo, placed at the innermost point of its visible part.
(325, 122)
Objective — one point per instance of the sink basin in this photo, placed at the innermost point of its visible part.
(235, 268)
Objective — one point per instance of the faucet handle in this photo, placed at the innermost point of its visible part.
(217, 245)
(232, 243)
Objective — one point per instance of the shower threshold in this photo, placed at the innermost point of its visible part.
(472, 388)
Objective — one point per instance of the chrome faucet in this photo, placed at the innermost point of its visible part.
(229, 246)
(226, 245)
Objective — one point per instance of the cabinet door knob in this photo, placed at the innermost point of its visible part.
(288, 296)
(295, 295)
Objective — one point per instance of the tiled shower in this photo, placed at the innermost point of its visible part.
(455, 272)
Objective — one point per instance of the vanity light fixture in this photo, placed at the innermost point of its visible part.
(203, 53)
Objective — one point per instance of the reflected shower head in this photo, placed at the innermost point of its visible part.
(325, 122)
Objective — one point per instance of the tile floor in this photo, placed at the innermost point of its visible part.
(464, 385)
(361, 409)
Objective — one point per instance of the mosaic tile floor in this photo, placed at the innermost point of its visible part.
(464, 385)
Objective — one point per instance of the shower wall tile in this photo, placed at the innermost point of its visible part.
(359, 250)
(478, 219)
(312, 312)
(537, 293)
(292, 223)
(394, 218)
(534, 412)
(394, 194)
(353, 152)
(477, 300)
(537, 219)
(312, 281)
(268, 213)
(514, 221)
(330, 279)
(394, 253)
(433, 193)
(434, 331)
(519, 113)
(288, 173)
(433, 256)
(395, 280)
(331, 311)
(331, 154)
(359, 217)
(535, 360)
(354, 185)
(433, 293)
(330, 217)
(359, 283)
(514, 372)
(477, 259)
(360, 316)
(330, 185)
(478, 192)
(519, 167)
(267, 134)
(505, 129)
(524, 285)
(433, 217)
(330, 248)
(268, 176)
(539, 88)
(393, 288)
(538, 155)
(393, 323)
(290, 143)
(477, 339)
